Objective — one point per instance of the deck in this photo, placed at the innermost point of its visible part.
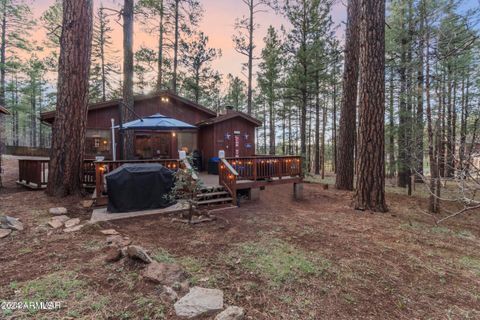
(234, 173)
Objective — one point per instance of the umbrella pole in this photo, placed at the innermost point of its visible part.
(114, 146)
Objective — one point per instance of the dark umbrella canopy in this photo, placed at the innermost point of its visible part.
(157, 122)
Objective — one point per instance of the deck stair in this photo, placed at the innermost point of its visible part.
(214, 196)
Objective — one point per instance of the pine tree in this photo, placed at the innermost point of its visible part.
(346, 144)
(66, 158)
(197, 58)
(370, 185)
(269, 80)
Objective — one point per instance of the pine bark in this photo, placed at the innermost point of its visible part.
(68, 132)
(128, 102)
(370, 185)
(347, 128)
(175, 47)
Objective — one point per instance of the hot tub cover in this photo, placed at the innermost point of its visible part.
(135, 187)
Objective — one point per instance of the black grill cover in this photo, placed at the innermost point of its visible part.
(135, 187)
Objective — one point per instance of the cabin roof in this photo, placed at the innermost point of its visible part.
(230, 115)
(4, 110)
(50, 115)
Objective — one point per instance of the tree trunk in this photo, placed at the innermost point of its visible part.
(128, 102)
(419, 114)
(250, 58)
(370, 186)
(68, 132)
(324, 128)
(391, 131)
(175, 47)
(3, 48)
(432, 203)
(271, 107)
(346, 143)
(317, 126)
(160, 50)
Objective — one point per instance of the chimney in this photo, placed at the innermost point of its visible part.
(229, 109)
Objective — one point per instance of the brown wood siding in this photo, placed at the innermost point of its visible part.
(213, 138)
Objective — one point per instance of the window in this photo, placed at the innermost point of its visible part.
(187, 141)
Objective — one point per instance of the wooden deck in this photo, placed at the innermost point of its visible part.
(234, 173)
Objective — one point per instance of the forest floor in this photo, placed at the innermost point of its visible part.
(276, 257)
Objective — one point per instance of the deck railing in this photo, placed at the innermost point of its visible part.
(104, 167)
(232, 170)
(34, 172)
(227, 176)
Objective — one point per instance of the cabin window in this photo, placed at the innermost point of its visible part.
(98, 143)
(187, 141)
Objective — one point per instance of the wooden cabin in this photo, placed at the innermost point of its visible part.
(233, 131)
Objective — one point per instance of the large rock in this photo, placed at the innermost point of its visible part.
(109, 232)
(7, 222)
(231, 313)
(71, 223)
(199, 301)
(58, 211)
(137, 252)
(164, 273)
(55, 224)
(4, 233)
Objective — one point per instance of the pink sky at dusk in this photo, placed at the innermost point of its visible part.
(218, 23)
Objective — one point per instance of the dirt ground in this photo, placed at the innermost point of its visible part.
(276, 257)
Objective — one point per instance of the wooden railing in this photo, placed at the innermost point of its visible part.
(33, 173)
(104, 167)
(232, 170)
(266, 167)
(227, 176)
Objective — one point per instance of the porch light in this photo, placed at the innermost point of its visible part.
(173, 134)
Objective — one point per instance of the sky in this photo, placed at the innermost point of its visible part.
(218, 23)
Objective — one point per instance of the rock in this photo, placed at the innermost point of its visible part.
(4, 233)
(7, 222)
(199, 301)
(87, 203)
(109, 232)
(113, 255)
(74, 228)
(55, 224)
(58, 211)
(164, 273)
(61, 218)
(168, 294)
(118, 241)
(72, 222)
(137, 252)
(231, 313)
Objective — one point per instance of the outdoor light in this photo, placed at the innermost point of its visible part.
(173, 134)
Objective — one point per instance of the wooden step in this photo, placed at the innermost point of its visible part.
(218, 200)
(212, 194)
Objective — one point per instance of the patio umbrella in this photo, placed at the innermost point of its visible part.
(157, 122)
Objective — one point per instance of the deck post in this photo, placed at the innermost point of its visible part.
(254, 193)
(298, 191)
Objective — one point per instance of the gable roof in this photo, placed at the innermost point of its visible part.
(4, 110)
(230, 115)
(50, 115)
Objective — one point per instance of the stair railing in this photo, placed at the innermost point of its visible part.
(228, 178)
